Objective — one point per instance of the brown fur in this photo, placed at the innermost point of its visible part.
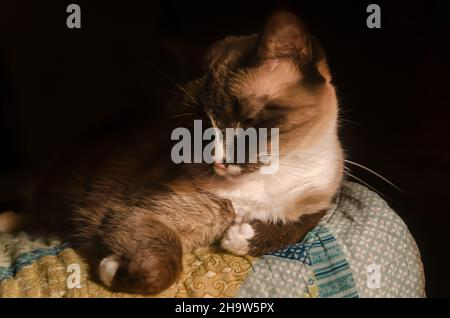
(143, 210)
(128, 201)
(142, 245)
(270, 236)
(278, 78)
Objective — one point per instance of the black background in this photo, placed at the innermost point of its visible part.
(58, 85)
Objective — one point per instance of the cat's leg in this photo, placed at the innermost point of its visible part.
(258, 237)
(130, 251)
(134, 250)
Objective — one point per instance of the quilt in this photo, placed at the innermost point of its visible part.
(361, 248)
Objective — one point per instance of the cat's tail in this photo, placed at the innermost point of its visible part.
(139, 258)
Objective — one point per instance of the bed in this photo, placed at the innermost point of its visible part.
(361, 248)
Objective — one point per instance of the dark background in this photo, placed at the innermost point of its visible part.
(60, 85)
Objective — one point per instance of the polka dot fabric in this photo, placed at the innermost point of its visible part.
(380, 250)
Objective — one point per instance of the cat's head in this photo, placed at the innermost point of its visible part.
(275, 79)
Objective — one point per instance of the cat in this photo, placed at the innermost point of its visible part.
(278, 78)
(133, 212)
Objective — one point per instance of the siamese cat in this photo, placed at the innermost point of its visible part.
(135, 212)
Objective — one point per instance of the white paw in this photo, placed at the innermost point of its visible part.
(107, 269)
(237, 237)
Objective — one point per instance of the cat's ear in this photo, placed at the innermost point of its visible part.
(285, 36)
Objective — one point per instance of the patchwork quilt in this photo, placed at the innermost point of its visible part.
(361, 248)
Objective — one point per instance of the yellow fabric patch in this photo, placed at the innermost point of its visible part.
(205, 274)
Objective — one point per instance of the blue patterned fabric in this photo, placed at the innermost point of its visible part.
(27, 259)
(315, 267)
(361, 248)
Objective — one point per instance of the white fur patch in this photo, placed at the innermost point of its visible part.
(108, 269)
(237, 237)
(264, 197)
(219, 151)
(233, 169)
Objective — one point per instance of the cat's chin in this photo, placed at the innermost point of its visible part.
(227, 171)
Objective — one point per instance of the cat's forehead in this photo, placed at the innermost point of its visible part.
(269, 80)
(227, 52)
(227, 62)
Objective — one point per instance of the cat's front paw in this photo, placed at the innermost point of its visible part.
(237, 238)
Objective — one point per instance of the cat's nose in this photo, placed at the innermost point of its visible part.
(220, 165)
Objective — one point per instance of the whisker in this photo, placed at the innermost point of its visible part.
(173, 82)
(187, 104)
(366, 184)
(376, 174)
(202, 174)
(349, 121)
(162, 89)
(181, 115)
